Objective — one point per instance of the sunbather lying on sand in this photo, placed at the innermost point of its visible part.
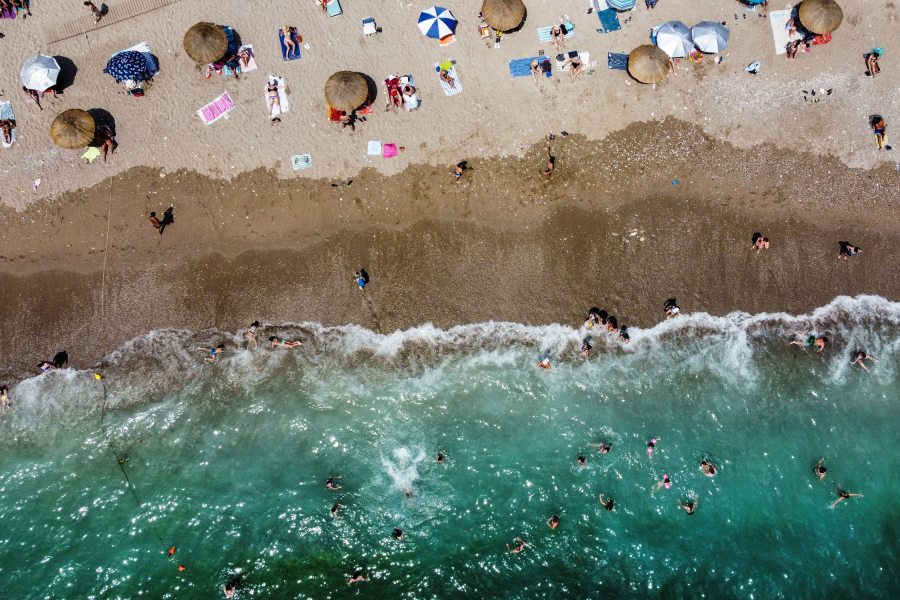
(6, 126)
(446, 78)
(410, 97)
(33, 96)
(271, 95)
(288, 32)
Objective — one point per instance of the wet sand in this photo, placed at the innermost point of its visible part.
(503, 245)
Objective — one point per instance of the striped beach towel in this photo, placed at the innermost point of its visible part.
(6, 112)
(544, 34)
(446, 86)
(216, 109)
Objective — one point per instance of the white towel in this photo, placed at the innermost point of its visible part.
(585, 61)
(599, 5)
(779, 19)
(374, 148)
(282, 98)
(446, 86)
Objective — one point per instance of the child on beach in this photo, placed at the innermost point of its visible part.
(213, 352)
(811, 341)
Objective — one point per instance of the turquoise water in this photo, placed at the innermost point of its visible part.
(228, 463)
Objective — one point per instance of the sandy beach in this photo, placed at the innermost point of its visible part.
(253, 239)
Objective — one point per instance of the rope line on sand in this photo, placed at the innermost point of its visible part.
(119, 461)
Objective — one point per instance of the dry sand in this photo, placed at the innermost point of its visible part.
(495, 115)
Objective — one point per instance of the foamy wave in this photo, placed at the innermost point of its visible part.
(164, 363)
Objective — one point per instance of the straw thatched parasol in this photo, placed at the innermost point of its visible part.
(648, 64)
(73, 129)
(205, 42)
(821, 16)
(346, 90)
(503, 15)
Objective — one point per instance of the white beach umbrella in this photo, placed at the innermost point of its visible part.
(674, 38)
(710, 37)
(40, 72)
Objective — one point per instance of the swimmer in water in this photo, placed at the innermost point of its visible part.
(520, 545)
(553, 522)
(819, 469)
(4, 398)
(213, 352)
(812, 341)
(357, 576)
(251, 335)
(860, 360)
(334, 509)
(582, 461)
(843, 496)
(604, 447)
(545, 364)
(665, 482)
(398, 533)
(231, 587)
(407, 492)
(274, 342)
(440, 456)
(330, 483)
(690, 506)
(708, 468)
(609, 504)
(651, 445)
(585, 349)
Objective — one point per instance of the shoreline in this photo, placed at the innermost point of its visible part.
(502, 246)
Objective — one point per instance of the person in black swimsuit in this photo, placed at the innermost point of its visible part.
(689, 507)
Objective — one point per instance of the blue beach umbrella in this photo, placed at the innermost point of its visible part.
(621, 4)
(436, 22)
(128, 65)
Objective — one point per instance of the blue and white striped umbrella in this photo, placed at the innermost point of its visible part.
(436, 22)
(621, 4)
(128, 65)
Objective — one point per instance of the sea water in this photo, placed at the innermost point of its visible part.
(226, 462)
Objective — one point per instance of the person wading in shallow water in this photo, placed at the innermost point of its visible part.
(551, 165)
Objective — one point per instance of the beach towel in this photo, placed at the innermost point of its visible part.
(446, 86)
(301, 161)
(390, 150)
(8, 14)
(609, 20)
(599, 5)
(334, 114)
(374, 148)
(521, 67)
(92, 154)
(216, 109)
(6, 112)
(584, 56)
(447, 40)
(284, 49)
(334, 8)
(779, 20)
(282, 98)
(544, 34)
(617, 61)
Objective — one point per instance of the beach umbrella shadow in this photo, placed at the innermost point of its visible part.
(102, 118)
(67, 73)
(372, 88)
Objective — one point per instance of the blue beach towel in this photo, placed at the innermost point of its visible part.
(284, 48)
(334, 8)
(617, 61)
(609, 20)
(521, 67)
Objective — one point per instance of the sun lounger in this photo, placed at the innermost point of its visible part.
(609, 20)
(301, 161)
(282, 97)
(6, 112)
(584, 56)
(216, 109)
(617, 61)
(369, 26)
(521, 67)
(779, 20)
(446, 86)
(544, 33)
(334, 8)
(284, 49)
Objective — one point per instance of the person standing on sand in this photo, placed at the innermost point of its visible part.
(96, 15)
(156, 223)
(880, 128)
(551, 165)
(362, 278)
(461, 167)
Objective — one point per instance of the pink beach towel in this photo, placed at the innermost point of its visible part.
(216, 109)
(390, 150)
